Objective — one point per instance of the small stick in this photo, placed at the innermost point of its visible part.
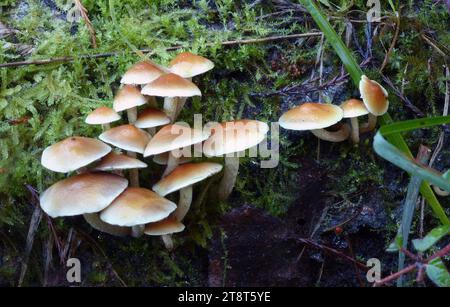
(151, 52)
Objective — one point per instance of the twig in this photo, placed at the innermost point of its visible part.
(405, 99)
(87, 21)
(393, 43)
(151, 52)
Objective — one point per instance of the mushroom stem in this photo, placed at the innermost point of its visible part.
(151, 131)
(106, 127)
(438, 191)
(228, 180)
(168, 242)
(180, 104)
(96, 223)
(184, 203)
(333, 136)
(172, 163)
(370, 125)
(138, 230)
(355, 129)
(170, 107)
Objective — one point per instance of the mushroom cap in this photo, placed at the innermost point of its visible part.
(126, 137)
(188, 65)
(137, 206)
(73, 153)
(235, 136)
(116, 161)
(172, 137)
(102, 115)
(163, 158)
(83, 193)
(354, 108)
(151, 117)
(141, 73)
(164, 227)
(171, 85)
(311, 116)
(186, 175)
(375, 96)
(128, 97)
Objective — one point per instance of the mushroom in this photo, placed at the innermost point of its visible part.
(188, 65)
(182, 178)
(375, 98)
(85, 194)
(117, 161)
(171, 86)
(142, 73)
(151, 118)
(137, 206)
(73, 153)
(102, 116)
(353, 108)
(229, 139)
(129, 98)
(164, 228)
(315, 117)
(171, 138)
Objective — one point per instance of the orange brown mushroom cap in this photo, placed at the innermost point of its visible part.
(73, 153)
(354, 108)
(102, 115)
(128, 97)
(115, 161)
(375, 96)
(126, 137)
(187, 65)
(186, 175)
(311, 116)
(137, 206)
(171, 85)
(164, 227)
(83, 193)
(142, 73)
(151, 117)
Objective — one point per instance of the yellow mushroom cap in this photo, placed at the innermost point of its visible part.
(115, 161)
(188, 65)
(126, 137)
(171, 85)
(235, 136)
(354, 108)
(73, 153)
(102, 115)
(128, 97)
(186, 175)
(165, 227)
(83, 193)
(150, 118)
(137, 206)
(311, 116)
(375, 97)
(141, 73)
(173, 137)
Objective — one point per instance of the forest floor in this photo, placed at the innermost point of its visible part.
(314, 220)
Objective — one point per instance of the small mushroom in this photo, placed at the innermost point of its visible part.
(188, 65)
(181, 179)
(151, 118)
(375, 98)
(171, 86)
(164, 228)
(102, 116)
(142, 73)
(136, 207)
(315, 117)
(115, 161)
(229, 139)
(173, 137)
(73, 153)
(126, 137)
(353, 108)
(85, 194)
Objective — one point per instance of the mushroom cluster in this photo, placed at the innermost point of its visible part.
(320, 118)
(100, 191)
